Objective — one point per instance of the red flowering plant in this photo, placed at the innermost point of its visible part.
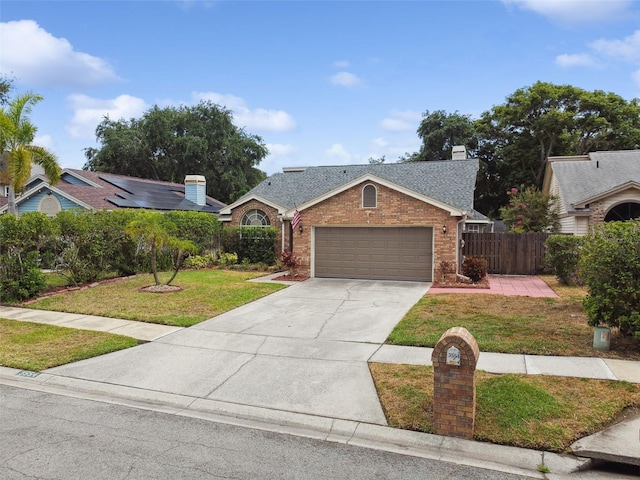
(530, 210)
(290, 262)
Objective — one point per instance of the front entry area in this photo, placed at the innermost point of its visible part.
(374, 253)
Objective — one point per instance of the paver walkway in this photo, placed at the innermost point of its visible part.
(523, 285)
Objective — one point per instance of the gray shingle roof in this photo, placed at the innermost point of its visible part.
(581, 180)
(451, 182)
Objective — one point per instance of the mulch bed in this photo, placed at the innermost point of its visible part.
(292, 278)
(160, 289)
(455, 283)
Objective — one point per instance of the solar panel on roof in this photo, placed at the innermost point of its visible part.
(153, 196)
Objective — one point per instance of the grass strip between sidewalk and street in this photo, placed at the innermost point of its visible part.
(34, 346)
(529, 411)
(205, 294)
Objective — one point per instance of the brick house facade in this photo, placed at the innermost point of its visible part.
(409, 220)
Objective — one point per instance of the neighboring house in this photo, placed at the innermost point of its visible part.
(594, 188)
(377, 221)
(106, 191)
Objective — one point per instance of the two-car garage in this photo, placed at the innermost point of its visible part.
(376, 253)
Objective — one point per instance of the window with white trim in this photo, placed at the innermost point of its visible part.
(255, 218)
(472, 227)
(369, 196)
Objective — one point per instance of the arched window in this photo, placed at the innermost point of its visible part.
(49, 205)
(369, 196)
(255, 218)
(623, 211)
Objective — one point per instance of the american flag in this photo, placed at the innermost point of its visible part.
(296, 219)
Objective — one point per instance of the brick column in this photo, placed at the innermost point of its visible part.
(454, 397)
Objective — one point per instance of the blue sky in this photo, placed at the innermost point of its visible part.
(322, 82)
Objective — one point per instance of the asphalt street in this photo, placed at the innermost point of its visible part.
(48, 436)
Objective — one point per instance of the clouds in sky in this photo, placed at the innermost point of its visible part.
(89, 112)
(625, 50)
(258, 119)
(574, 11)
(346, 79)
(38, 58)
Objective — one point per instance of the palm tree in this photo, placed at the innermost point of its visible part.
(16, 134)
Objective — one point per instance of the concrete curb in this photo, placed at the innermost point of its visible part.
(518, 461)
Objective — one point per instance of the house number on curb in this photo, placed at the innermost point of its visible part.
(453, 356)
(26, 373)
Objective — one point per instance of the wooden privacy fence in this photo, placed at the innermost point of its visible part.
(508, 253)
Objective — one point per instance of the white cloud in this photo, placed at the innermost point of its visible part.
(338, 152)
(281, 150)
(89, 112)
(401, 121)
(257, 119)
(574, 11)
(36, 57)
(342, 64)
(345, 79)
(627, 49)
(575, 60)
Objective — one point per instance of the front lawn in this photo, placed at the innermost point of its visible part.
(530, 411)
(205, 294)
(34, 346)
(506, 324)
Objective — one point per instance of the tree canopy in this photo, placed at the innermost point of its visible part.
(169, 143)
(514, 139)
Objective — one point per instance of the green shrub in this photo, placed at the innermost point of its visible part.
(257, 244)
(20, 276)
(203, 229)
(475, 268)
(227, 259)
(22, 240)
(200, 261)
(610, 268)
(562, 253)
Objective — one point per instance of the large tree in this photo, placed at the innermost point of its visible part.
(170, 143)
(440, 132)
(546, 119)
(17, 152)
(513, 140)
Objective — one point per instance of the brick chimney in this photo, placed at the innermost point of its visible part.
(195, 189)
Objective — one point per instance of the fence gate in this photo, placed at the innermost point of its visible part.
(508, 253)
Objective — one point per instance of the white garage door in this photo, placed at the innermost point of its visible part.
(377, 253)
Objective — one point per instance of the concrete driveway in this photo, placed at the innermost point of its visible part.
(303, 349)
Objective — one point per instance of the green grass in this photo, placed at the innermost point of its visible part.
(34, 346)
(205, 294)
(509, 324)
(530, 411)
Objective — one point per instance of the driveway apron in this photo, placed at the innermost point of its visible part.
(302, 349)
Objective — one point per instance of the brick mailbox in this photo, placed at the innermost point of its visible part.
(454, 392)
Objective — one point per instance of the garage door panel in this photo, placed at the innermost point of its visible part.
(394, 253)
